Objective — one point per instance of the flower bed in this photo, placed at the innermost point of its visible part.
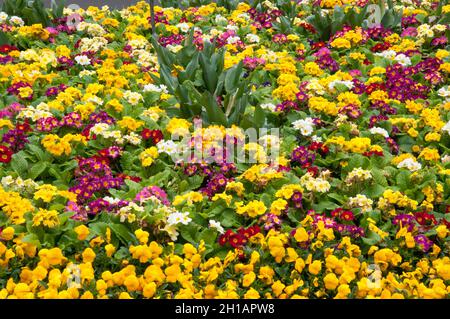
(118, 172)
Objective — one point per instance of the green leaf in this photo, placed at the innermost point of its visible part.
(159, 179)
(189, 72)
(374, 191)
(31, 239)
(233, 76)
(209, 73)
(190, 233)
(214, 114)
(19, 164)
(58, 8)
(378, 177)
(259, 117)
(403, 179)
(208, 236)
(123, 233)
(325, 205)
(183, 186)
(64, 216)
(165, 57)
(4, 38)
(229, 218)
(357, 161)
(122, 253)
(37, 169)
(195, 181)
(133, 186)
(168, 79)
(428, 178)
(339, 198)
(338, 19)
(372, 239)
(388, 19)
(38, 152)
(98, 228)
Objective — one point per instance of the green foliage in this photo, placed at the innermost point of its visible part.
(4, 38)
(391, 18)
(228, 4)
(203, 81)
(196, 3)
(57, 8)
